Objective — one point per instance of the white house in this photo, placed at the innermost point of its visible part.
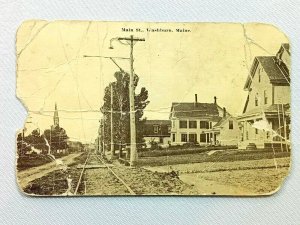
(195, 121)
(227, 131)
(265, 121)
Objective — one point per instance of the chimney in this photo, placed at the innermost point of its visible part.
(215, 98)
(224, 112)
(196, 100)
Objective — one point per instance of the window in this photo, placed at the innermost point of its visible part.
(173, 138)
(268, 135)
(260, 71)
(230, 125)
(155, 128)
(256, 99)
(182, 124)
(207, 137)
(256, 131)
(265, 97)
(183, 137)
(204, 125)
(202, 138)
(173, 124)
(193, 138)
(210, 125)
(192, 124)
(169, 129)
(247, 135)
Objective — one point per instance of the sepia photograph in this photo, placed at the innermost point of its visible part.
(137, 108)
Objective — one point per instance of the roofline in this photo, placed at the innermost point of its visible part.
(193, 103)
(227, 118)
(267, 113)
(157, 121)
(251, 75)
(157, 135)
(218, 107)
(201, 117)
(255, 63)
(288, 50)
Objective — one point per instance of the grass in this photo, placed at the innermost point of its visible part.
(180, 151)
(25, 162)
(222, 156)
(34, 160)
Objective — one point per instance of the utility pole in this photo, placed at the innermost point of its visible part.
(99, 139)
(284, 127)
(49, 152)
(112, 147)
(131, 40)
(133, 151)
(279, 125)
(103, 143)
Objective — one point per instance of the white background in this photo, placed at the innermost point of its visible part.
(15, 208)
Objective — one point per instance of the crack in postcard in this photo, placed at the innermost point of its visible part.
(136, 108)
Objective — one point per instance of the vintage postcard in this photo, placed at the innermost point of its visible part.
(132, 108)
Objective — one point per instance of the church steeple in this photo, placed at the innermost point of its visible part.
(55, 117)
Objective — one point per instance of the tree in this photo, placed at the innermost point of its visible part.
(121, 110)
(34, 139)
(22, 146)
(37, 140)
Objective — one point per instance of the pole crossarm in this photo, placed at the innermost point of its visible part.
(130, 39)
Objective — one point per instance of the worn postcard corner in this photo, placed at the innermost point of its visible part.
(136, 108)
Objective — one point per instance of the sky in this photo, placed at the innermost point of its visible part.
(212, 59)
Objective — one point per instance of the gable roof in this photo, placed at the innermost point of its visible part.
(223, 120)
(276, 73)
(286, 46)
(190, 109)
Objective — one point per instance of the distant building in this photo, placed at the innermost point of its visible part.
(75, 146)
(60, 135)
(195, 122)
(158, 131)
(55, 118)
(268, 86)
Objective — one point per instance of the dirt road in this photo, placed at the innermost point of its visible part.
(28, 175)
(252, 177)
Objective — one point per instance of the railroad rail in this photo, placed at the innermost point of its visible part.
(101, 160)
(81, 174)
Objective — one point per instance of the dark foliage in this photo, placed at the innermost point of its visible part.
(121, 110)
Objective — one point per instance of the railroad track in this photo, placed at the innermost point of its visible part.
(95, 161)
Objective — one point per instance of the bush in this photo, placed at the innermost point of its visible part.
(154, 145)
